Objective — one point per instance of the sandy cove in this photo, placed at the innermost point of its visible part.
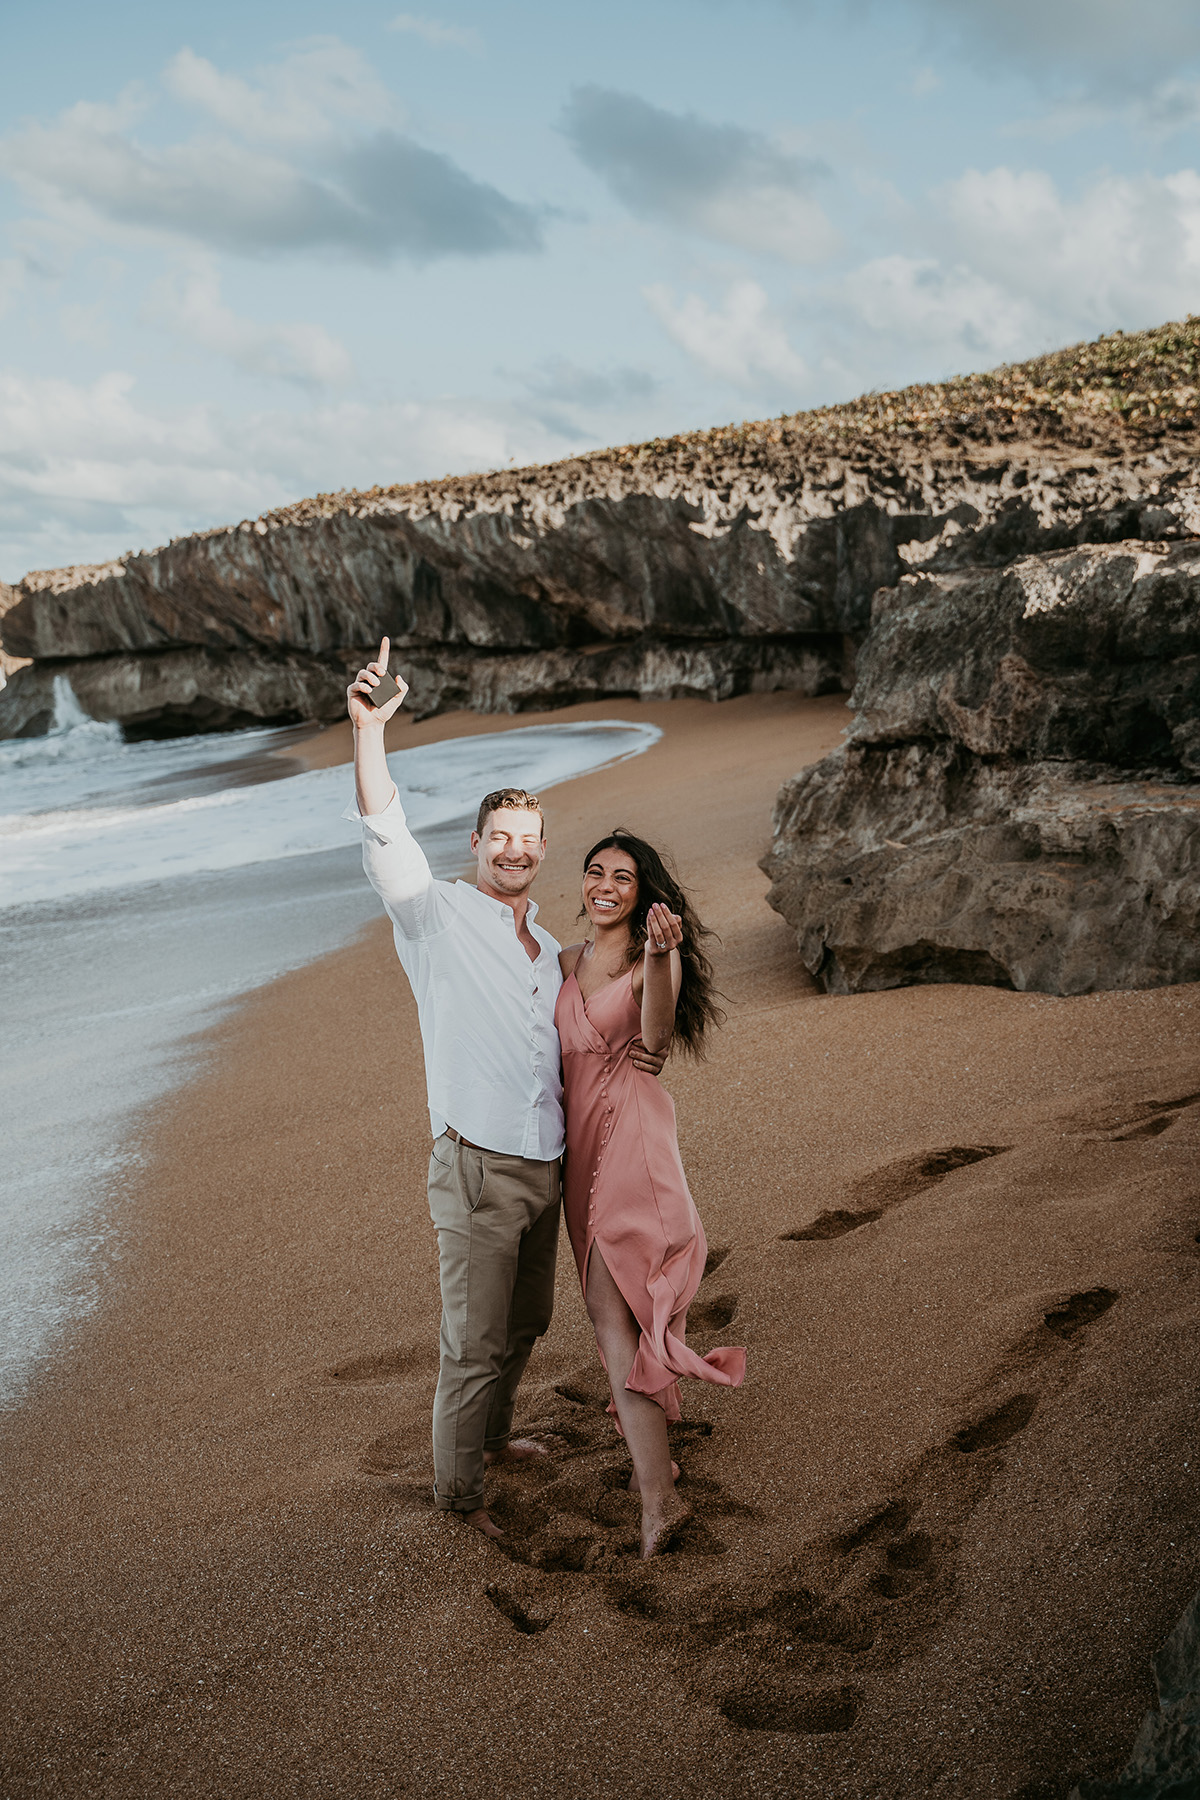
(939, 1532)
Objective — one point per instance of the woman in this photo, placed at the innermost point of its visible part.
(634, 1228)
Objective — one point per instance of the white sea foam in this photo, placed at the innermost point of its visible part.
(86, 847)
(80, 759)
(111, 965)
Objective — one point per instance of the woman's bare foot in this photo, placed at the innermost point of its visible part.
(482, 1520)
(660, 1528)
(525, 1450)
(635, 1486)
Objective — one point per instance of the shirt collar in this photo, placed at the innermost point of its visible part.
(497, 906)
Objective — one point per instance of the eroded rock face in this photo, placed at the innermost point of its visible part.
(1165, 1761)
(1016, 802)
(183, 691)
(693, 570)
(1090, 654)
(8, 664)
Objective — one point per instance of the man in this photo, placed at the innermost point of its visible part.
(486, 978)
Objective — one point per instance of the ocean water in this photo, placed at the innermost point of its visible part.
(143, 888)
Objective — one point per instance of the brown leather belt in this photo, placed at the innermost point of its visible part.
(456, 1137)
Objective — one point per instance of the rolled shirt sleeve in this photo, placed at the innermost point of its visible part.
(397, 869)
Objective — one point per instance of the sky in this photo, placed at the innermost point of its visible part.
(252, 252)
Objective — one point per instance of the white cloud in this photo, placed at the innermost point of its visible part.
(740, 342)
(1126, 251)
(894, 307)
(87, 471)
(374, 196)
(439, 37)
(1008, 266)
(83, 469)
(298, 100)
(721, 181)
(188, 303)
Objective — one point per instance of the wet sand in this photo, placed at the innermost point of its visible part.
(939, 1532)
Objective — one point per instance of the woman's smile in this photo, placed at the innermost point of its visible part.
(610, 887)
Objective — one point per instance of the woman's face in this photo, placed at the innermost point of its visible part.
(610, 887)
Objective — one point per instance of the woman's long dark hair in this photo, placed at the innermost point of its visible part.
(697, 1008)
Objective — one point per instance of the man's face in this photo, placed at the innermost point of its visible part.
(509, 852)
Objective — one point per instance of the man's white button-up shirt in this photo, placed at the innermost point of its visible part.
(492, 1063)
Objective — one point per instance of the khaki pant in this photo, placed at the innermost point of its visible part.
(497, 1229)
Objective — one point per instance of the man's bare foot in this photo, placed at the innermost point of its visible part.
(659, 1529)
(482, 1520)
(525, 1450)
(635, 1486)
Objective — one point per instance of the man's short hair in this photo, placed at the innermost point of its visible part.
(508, 800)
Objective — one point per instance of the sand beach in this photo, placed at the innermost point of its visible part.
(938, 1535)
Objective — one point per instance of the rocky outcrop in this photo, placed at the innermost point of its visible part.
(212, 690)
(8, 664)
(1017, 800)
(1165, 1761)
(712, 565)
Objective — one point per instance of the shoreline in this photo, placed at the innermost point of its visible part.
(228, 1579)
(144, 891)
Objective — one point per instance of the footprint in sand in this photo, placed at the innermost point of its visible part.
(1123, 1124)
(716, 1256)
(394, 1454)
(877, 1592)
(885, 1523)
(714, 1314)
(637, 1596)
(574, 1513)
(383, 1365)
(527, 1620)
(584, 1387)
(1067, 1320)
(799, 1658)
(776, 1706)
(995, 1428)
(890, 1186)
(831, 1225)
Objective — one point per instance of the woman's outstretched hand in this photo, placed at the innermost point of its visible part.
(361, 711)
(664, 930)
(662, 974)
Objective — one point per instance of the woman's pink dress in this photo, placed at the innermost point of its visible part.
(625, 1191)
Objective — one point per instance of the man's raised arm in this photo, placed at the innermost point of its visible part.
(394, 861)
(373, 785)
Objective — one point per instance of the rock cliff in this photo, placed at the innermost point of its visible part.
(1165, 1761)
(8, 664)
(714, 563)
(1017, 800)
